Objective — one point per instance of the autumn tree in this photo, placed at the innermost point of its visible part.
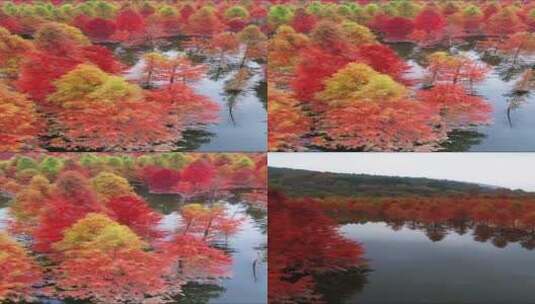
(255, 43)
(518, 44)
(287, 121)
(359, 81)
(185, 107)
(59, 50)
(504, 23)
(178, 68)
(278, 15)
(357, 34)
(27, 205)
(12, 51)
(109, 185)
(130, 21)
(19, 121)
(304, 243)
(456, 107)
(204, 22)
(160, 180)
(397, 28)
(429, 26)
(97, 247)
(284, 48)
(96, 103)
(208, 221)
(99, 29)
(303, 22)
(197, 177)
(386, 118)
(223, 44)
(19, 272)
(59, 39)
(384, 59)
(454, 69)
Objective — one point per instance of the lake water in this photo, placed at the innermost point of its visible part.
(406, 266)
(509, 130)
(247, 284)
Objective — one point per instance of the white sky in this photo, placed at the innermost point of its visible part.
(510, 170)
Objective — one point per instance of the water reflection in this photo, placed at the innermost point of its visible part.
(401, 251)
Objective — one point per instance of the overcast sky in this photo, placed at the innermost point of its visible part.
(511, 170)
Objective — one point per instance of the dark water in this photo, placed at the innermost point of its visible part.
(509, 130)
(246, 246)
(242, 124)
(406, 266)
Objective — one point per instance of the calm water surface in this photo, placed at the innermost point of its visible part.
(407, 267)
(247, 284)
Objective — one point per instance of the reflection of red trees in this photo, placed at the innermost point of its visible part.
(303, 242)
(499, 218)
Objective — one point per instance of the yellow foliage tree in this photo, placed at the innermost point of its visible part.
(357, 34)
(19, 121)
(358, 81)
(98, 232)
(12, 50)
(87, 85)
(109, 185)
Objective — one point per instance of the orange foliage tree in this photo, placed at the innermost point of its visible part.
(19, 271)
(19, 121)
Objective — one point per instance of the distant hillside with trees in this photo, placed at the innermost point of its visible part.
(324, 184)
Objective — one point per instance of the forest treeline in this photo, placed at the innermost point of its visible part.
(327, 184)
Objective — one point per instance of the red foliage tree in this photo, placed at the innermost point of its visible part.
(19, 272)
(195, 258)
(99, 29)
(397, 28)
(123, 125)
(59, 215)
(102, 57)
(72, 200)
(160, 180)
(388, 125)
(135, 213)
(315, 66)
(456, 107)
(40, 69)
(430, 20)
(130, 21)
(384, 60)
(11, 24)
(124, 276)
(200, 173)
(303, 22)
(186, 108)
(303, 243)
